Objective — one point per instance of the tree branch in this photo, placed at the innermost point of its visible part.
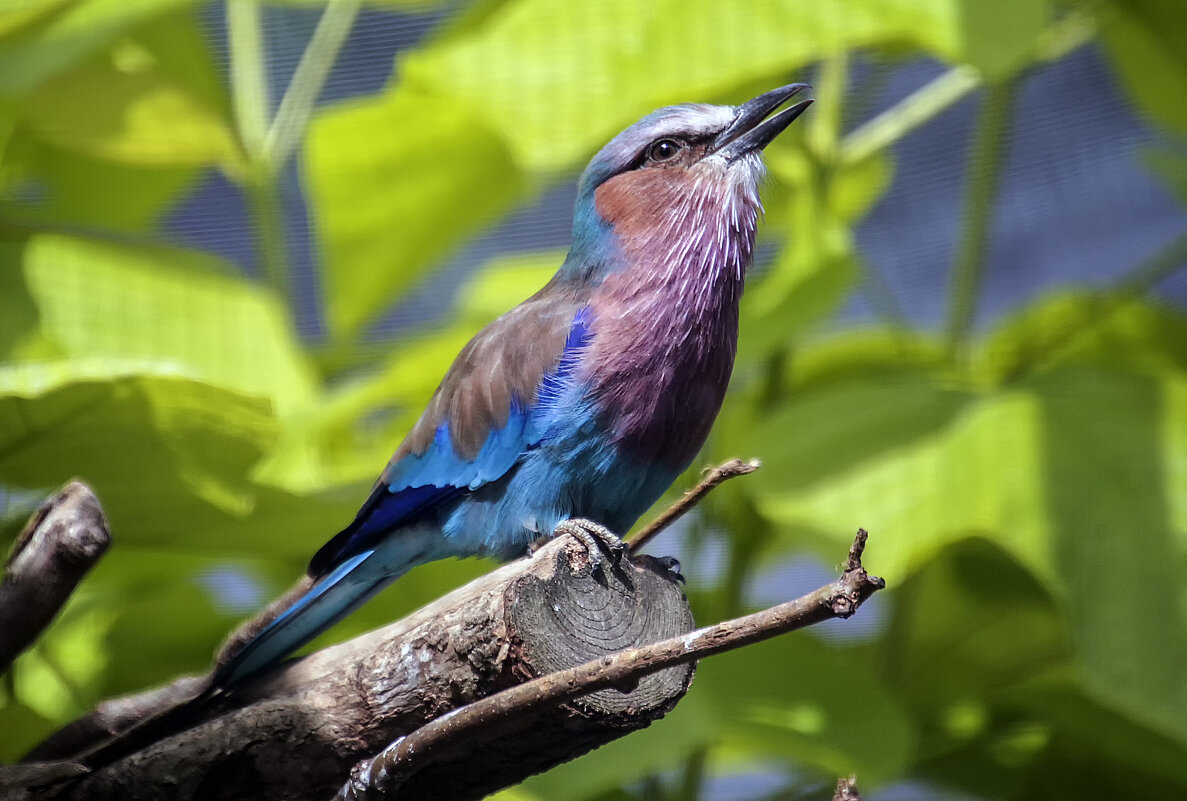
(295, 732)
(847, 790)
(543, 647)
(114, 717)
(504, 712)
(718, 475)
(117, 716)
(60, 543)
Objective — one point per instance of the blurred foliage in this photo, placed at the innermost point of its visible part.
(1026, 484)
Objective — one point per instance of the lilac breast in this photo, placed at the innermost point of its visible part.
(665, 328)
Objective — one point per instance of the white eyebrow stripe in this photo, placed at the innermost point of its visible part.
(697, 120)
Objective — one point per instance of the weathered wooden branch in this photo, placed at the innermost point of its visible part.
(847, 789)
(295, 733)
(114, 717)
(524, 668)
(449, 738)
(57, 547)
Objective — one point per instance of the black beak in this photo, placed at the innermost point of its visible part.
(751, 129)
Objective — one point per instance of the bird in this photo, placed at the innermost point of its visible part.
(574, 411)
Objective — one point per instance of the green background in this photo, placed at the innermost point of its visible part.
(1024, 478)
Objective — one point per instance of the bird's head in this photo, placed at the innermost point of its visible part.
(674, 175)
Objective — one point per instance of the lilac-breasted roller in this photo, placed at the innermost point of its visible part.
(586, 401)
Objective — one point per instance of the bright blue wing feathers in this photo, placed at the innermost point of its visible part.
(418, 484)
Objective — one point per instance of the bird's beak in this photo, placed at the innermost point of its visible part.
(751, 129)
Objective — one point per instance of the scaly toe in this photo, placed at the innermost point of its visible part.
(596, 538)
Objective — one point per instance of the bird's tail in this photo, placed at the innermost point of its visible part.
(331, 598)
(328, 600)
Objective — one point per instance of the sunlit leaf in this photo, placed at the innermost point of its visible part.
(818, 266)
(62, 187)
(557, 79)
(398, 181)
(844, 452)
(659, 748)
(169, 307)
(58, 677)
(18, 314)
(129, 117)
(152, 440)
(20, 13)
(66, 33)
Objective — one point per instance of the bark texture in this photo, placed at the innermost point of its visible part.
(295, 733)
(62, 541)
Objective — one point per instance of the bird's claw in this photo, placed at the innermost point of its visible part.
(672, 565)
(596, 538)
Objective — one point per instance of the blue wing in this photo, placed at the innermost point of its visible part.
(483, 417)
(423, 477)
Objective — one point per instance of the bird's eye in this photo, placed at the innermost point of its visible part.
(664, 150)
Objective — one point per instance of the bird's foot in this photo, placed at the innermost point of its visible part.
(596, 538)
(672, 565)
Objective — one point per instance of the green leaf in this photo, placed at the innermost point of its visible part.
(18, 314)
(818, 267)
(41, 41)
(1106, 496)
(834, 452)
(998, 39)
(809, 719)
(659, 748)
(21, 13)
(1169, 165)
(1108, 330)
(1148, 38)
(76, 190)
(152, 444)
(170, 309)
(527, 69)
(124, 107)
(944, 647)
(175, 312)
(386, 176)
(58, 676)
(1094, 751)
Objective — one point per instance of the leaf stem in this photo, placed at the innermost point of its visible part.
(1072, 31)
(984, 173)
(825, 131)
(908, 114)
(250, 100)
(309, 79)
(249, 85)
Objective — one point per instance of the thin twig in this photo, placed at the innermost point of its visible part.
(718, 475)
(847, 790)
(383, 774)
(61, 542)
(981, 189)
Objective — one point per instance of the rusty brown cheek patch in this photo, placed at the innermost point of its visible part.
(635, 201)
